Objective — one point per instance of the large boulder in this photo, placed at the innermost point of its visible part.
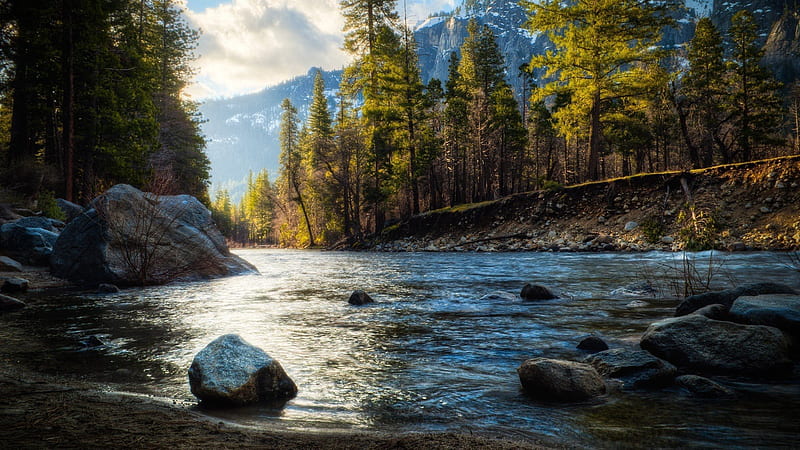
(635, 368)
(229, 371)
(727, 296)
(31, 246)
(701, 344)
(130, 237)
(44, 223)
(779, 311)
(70, 210)
(553, 379)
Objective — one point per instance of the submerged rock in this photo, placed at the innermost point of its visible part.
(359, 297)
(500, 295)
(639, 289)
(636, 368)
(229, 371)
(553, 379)
(107, 288)
(174, 236)
(703, 387)
(699, 343)
(592, 344)
(10, 303)
(536, 292)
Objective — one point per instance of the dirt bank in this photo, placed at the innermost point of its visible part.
(751, 206)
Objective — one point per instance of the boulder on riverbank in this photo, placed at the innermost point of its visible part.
(780, 311)
(726, 297)
(553, 379)
(10, 303)
(129, 237)
(229, 371)
(28, 245)
(701, 344)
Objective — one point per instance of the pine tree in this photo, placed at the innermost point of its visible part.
(603, 50)
(291, 158)
(756, 107)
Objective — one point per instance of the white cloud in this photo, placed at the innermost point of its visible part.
(249, 44)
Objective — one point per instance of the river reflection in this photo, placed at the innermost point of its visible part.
(430, 355)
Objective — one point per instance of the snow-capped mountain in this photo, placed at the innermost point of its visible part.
(243, 131)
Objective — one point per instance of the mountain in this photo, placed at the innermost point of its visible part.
(243, 131)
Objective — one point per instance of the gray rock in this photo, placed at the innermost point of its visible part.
(10, 303)
(359, 297)
(667, 240)
(107, 288)
(778, 310)
(703, 387)
(738, 247)
(636, 368)
(38, 222)
(92, 342)
(229, 371)
(175, 233)
(592, 344)
(14, 285)
(31, 246)
(699, 343)
(727, 296)
(536, 292)
(630, 226)
(70, 210)
(715, 312)
(9, 265)
(552, 379)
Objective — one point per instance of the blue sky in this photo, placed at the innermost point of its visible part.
(247, 45)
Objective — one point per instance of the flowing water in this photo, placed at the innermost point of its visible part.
(431, 354)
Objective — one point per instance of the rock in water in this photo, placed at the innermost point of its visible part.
(229, 371)
(703, 387)
(14, 285)
(593, 344)
(107, 288)
(636, 368)
(726, 297)
(10, 303)
(536, 292)
(359, 297)
(699, 343)
(780, 311)
(553, 379)
(128, 237)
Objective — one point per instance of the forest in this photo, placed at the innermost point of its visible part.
(91, 96)
(606, 102)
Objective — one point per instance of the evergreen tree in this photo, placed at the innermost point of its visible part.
(291, 158)
(756, 107)
(604, 49)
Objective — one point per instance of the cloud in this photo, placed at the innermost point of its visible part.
(249, 44)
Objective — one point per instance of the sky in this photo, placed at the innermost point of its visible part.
(247, 45)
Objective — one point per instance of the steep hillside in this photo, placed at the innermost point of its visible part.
(737, 207)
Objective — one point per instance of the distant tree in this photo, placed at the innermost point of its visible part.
(293, 171)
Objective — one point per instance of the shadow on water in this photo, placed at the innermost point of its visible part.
(432, 354)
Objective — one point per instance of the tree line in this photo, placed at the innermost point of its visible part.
(91, 96)
(606, 101)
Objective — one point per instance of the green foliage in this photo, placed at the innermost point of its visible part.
(699, 228)
(653, 229)
(48, 207)
(550, 185)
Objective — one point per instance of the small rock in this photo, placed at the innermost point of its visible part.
(9, 265)
(703, 387)
(765, 210)
(536, 292)
(738, 247)
(552, 379)
(637, 304)
(359, 297)
(70, 210)
(10, 303)
(667, 240)
(14, 285)
(92, 342)
(107, 288)
(631, 226)
(780, 185)
(601, 219)
(593, 344)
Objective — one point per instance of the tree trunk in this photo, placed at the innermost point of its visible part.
(594, 138)
(68, 117)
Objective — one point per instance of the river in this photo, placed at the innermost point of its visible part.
(431, 354)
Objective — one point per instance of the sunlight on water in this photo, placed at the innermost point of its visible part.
(429, 355)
